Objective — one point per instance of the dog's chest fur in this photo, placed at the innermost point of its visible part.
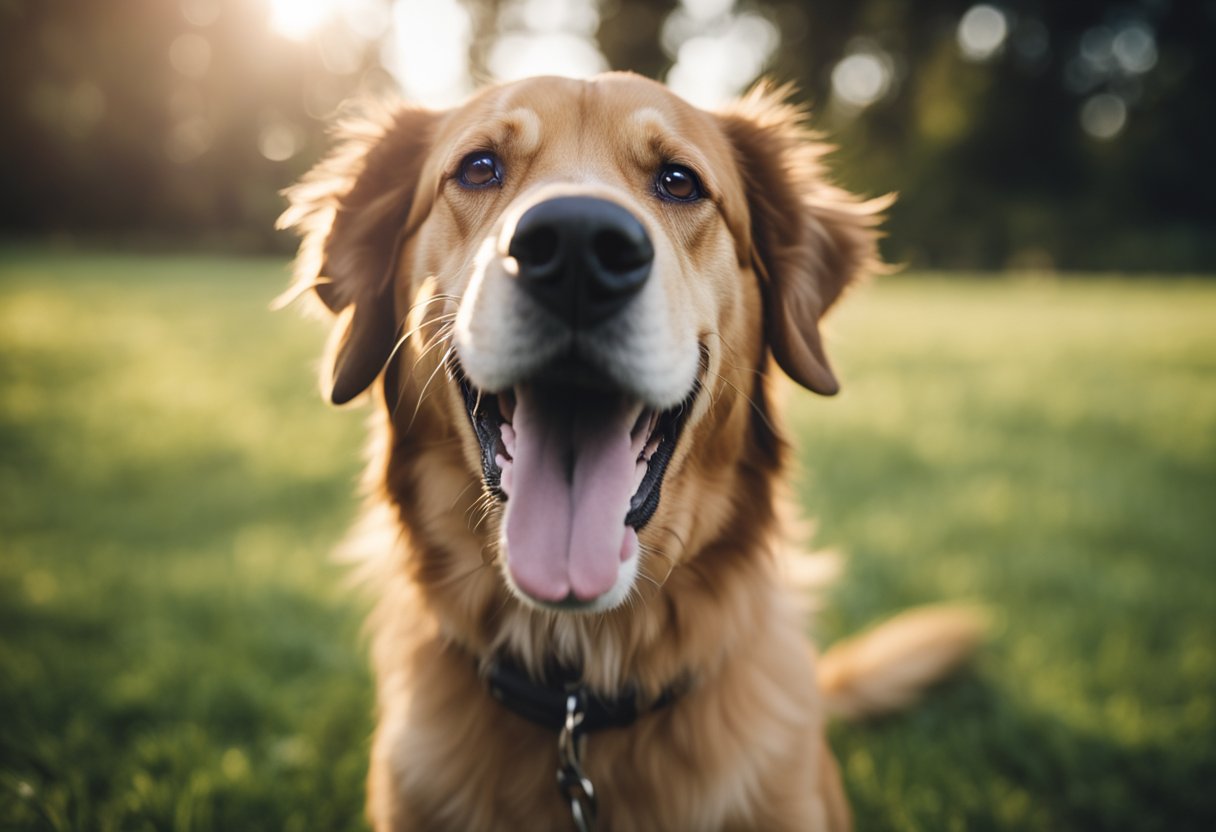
(739, 749)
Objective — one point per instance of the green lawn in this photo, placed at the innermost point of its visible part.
(178, 652)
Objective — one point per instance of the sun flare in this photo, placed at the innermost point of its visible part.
(297, 19)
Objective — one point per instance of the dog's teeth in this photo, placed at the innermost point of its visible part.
(643, 437)
(639, 474)
(641, 430)
(505, 478)
(508, 438)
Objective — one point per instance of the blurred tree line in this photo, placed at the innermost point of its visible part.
(1030, 133)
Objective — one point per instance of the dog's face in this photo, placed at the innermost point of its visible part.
(595, 271)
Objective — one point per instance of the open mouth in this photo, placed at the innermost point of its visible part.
(580, 468)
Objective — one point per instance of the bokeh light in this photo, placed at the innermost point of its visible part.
(981, 32)
(279, 139)
(369, 19)
(1135, 49)
(190, 54)
(707, 9)
(427, 50)
(862, 78)
(200, 12)
(718, 52)
(1103, 116)
(298, 19)
(546, 37)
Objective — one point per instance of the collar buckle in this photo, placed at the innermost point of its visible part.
(573, 711)
(572, 781)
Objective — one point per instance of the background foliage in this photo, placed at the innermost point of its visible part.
(117, 127)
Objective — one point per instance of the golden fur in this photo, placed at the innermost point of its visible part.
(391, 247)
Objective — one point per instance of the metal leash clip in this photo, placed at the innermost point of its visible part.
(571, 780)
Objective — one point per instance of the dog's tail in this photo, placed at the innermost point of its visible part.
(888, 667)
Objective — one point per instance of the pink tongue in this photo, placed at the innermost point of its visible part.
(571, 480)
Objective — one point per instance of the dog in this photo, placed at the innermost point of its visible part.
(571, 300)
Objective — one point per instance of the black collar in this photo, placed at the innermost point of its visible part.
(544, 703)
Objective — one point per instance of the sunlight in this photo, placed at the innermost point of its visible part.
(718, 51)
(297, 19)
(546, 37)
(427, 50)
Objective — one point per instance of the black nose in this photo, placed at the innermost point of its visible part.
(580, 257)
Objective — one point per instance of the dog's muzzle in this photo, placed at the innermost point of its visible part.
(575, 452)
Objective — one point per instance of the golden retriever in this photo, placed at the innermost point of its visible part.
(573, 296)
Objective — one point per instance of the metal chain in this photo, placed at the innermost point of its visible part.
(571, 780)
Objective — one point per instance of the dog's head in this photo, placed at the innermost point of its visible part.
(593, 274)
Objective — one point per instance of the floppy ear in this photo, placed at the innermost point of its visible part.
(809, 239)
(351, 211)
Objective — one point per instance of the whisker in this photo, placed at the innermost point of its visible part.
(506, 600)
(472, 482)
(435, 341)
(426, 387)
(763, 416)
(427, 301)
(462, 576)
(478, 507)
(445, 319)
(486, 511)
(726, 348)
(669, 530)
(446, 316)
(671, 567)
(482, 507)
(652, 581)
(672, 562)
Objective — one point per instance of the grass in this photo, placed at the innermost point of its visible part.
(1047, 449)
(177, 652)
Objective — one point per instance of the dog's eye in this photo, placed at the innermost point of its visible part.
(678, 183)
(479, 170)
